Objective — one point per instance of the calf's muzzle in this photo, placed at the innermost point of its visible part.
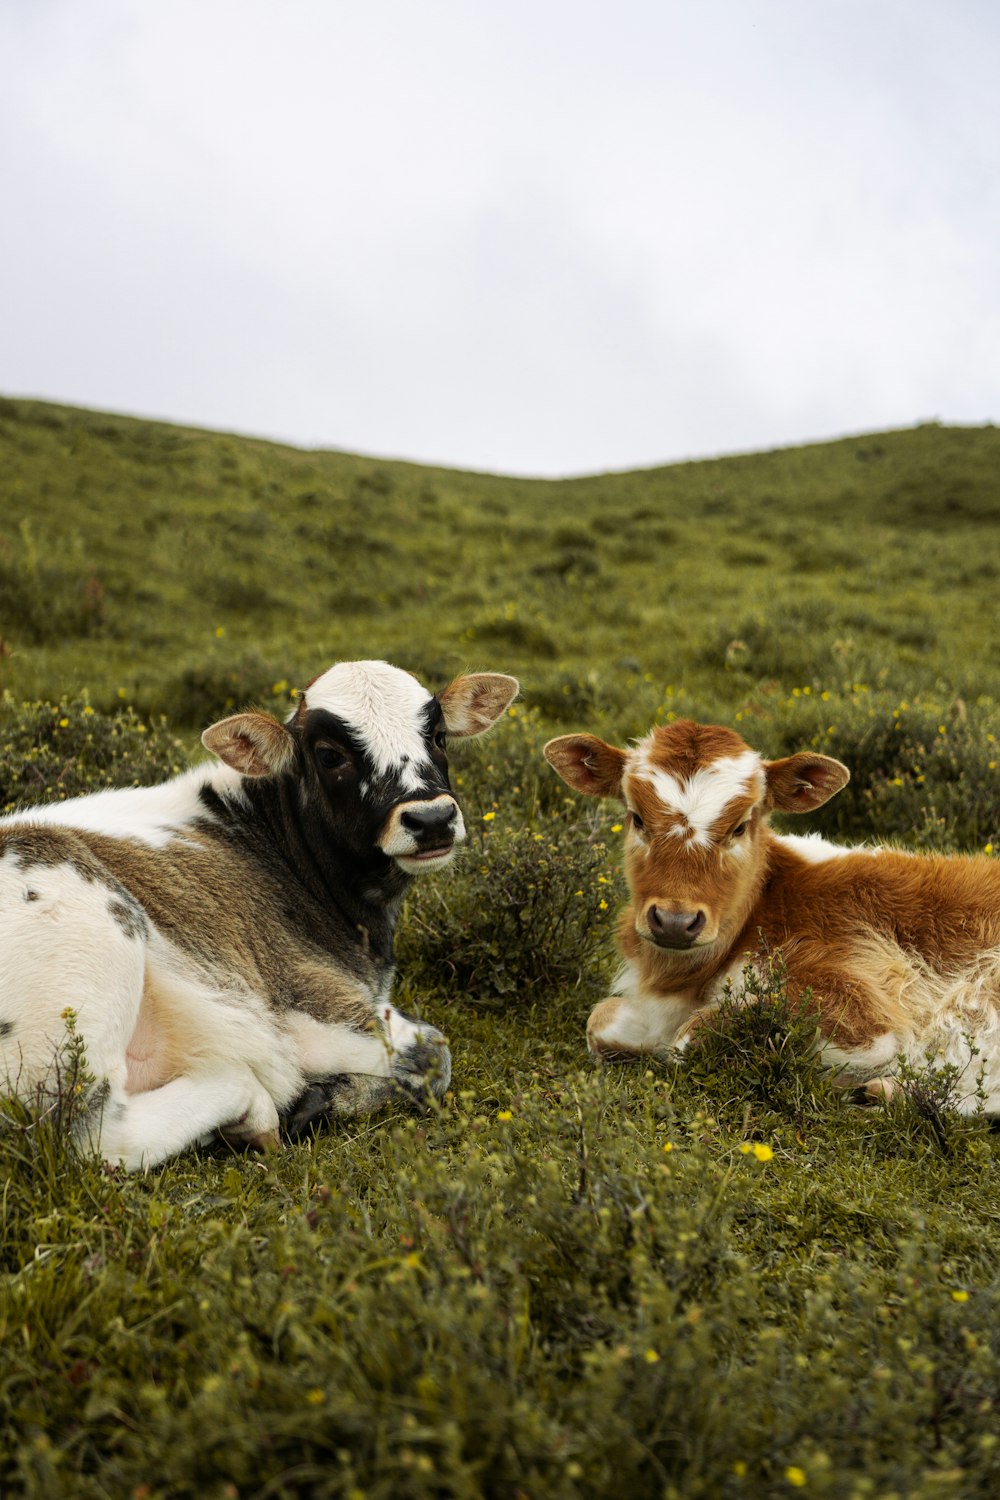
(674, 929)
(430, 822)
(423, 831)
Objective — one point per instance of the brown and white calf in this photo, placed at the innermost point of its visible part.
(225, 939)
(901, 951)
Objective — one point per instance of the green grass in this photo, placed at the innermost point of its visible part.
(721, 1280)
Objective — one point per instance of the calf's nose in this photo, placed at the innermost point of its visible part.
(426, 822)
(674, 929)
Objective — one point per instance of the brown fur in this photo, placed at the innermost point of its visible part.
(232, 926)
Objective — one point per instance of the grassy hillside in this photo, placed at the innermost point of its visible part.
(721, 1280)
(177, 565)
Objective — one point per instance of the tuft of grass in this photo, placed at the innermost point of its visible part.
(51, 597)
(766, 1049)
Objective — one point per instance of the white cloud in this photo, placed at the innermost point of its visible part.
(541, 237)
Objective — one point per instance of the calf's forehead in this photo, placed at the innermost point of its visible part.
(696, 773)
(385, 709)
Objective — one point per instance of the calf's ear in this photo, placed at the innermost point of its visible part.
(474, 702)
(252, 743)
(587, 764)
(801, 782)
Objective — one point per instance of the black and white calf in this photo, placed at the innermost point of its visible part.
(224, 940)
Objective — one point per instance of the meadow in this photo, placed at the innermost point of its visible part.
(716, 1280)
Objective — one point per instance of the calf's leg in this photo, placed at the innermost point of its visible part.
(357, 1073)
(142, 1130)
(631, 1026)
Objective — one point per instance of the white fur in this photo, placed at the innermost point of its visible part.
(864, 1062)
(644, 1024)
(955, 1022)
(219, 1057)
(384, 708)
(323, 1049)
(151, 815)
(701, 799)
(816, 849)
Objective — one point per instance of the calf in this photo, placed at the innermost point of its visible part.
(225, 940)
(900, 951)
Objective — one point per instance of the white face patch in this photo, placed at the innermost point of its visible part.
(384, 708)
(700, 800)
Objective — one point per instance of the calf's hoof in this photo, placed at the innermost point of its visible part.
(876, 1091)
(256, 1127)
(422, 1070)
(342, 1096)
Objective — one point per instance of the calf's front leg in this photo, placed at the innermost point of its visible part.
(626, 1027)
(354, 1074)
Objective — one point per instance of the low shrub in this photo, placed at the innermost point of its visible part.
(51, 751)
(759, 1054)
(526, 913)
(43, 1135)
(922, 771)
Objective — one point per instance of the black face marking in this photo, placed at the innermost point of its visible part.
(6, 1027)
(359, 796)
(320, 727)
(32, 896)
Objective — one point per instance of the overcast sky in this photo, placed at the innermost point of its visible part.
(538, 236)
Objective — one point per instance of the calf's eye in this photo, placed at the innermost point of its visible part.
(739, 830)
(637, 822)
(441, 740)
(330, 758)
